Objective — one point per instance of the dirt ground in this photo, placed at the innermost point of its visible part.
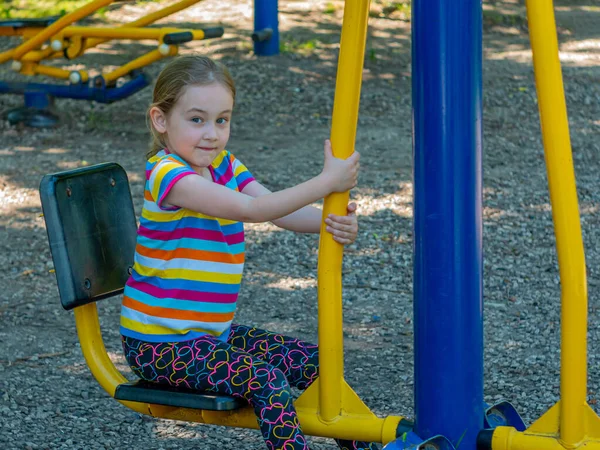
(48, 399)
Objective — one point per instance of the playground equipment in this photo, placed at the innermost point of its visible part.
(56, 37)
(449, 406)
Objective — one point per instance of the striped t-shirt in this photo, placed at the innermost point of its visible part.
(188, 266)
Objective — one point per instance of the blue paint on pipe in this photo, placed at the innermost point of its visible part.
(266, 16)
(448, 261)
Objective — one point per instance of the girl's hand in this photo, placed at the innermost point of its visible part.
(343, 228)
(341, 175)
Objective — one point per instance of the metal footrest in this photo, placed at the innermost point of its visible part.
(163, 394)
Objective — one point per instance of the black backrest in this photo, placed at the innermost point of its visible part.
(91, 230)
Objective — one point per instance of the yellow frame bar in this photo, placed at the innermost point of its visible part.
(149, 19)
(30, 32)
(38, 55)
(571, 423)
(56, 72)
(94, 352)
(565, 213)
(343, 134)
(127, 32)
(137, 63)
(10, 31)
(46, 33)
(123, 33)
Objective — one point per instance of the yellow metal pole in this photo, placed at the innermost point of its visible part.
(137, 63)
(507, 438)
(565, 213)
(94, 352)
(544, 433)
(50, 71)
(149, 19)
(359, 428)
(38, 55)
(7, 55)
(343, 134)
(102, 34)
(34, 56)
(141, 22)
(128, 32)
(54, 28)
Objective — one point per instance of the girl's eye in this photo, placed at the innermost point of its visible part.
(222, 121)
(197, 119)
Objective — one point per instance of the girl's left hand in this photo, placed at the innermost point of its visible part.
(343, 228)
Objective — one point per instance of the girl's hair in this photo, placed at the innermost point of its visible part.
(181, 72)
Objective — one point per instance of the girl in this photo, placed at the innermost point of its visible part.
(179, 303)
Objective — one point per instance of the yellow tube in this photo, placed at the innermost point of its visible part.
(59, 73)
(137, 63)
(127, 32)
(141, 22)
(9, 31)
(149, 19)
(360, 428)
(49, 71)
(34, 56)
(343, 134)
(565, 213)
(508, 438)
(25, 32)
(38, 55)
(94, 352)
(61, 23)
(161, 13)
(7, 55)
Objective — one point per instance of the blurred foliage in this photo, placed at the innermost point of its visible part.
(40, 8)
(399, 9)
(391, 9)
(12, 9)
(492, 17)
(291, 45)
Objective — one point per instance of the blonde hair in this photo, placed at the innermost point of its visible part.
(180, 73)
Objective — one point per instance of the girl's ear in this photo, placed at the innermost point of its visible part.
(159, 120)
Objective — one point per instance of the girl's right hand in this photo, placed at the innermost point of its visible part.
(340, 174)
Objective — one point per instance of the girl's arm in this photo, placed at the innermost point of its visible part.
(308, 219)
(198, 194)
(304, 220)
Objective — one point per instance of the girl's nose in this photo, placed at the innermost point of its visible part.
(210, 131)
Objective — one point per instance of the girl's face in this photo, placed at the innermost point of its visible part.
(197, 128)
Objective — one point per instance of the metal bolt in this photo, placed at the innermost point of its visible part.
(69, 192)
(113, 182)
(130, 270)
(87, 283)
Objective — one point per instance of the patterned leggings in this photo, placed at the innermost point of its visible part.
(254, 364)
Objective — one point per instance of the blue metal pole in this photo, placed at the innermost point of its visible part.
(448, 260)
(266, 28)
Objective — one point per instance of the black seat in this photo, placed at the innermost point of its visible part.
(92, 234)
(41, 22)
(162, 394)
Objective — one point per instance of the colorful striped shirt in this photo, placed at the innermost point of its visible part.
(188, 266)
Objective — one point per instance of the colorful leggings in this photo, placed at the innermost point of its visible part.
(254, 364)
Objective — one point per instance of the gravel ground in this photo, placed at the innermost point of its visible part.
(48, 399)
